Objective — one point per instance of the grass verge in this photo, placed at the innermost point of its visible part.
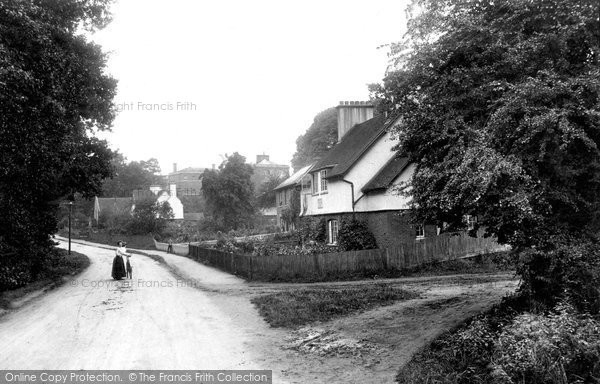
(57, 267)
(463, 354)
(299, 307)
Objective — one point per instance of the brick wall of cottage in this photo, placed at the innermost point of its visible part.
(390, 228)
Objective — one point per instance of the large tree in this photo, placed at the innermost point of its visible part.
(54, 94)
(128, 176)
(229, 193)
(500, 111)
(319, 138)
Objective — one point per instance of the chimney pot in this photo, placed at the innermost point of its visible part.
(351, 113)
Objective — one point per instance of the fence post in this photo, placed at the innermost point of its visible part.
(386, 258)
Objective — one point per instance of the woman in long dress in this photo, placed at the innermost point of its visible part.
(118, 266)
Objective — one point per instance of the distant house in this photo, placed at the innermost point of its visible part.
(170, 197)
(300, 182)
(161, 195)
(265, 169)
(188, 180)
(359, 177)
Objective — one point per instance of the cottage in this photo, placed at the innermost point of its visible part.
(170, 197)
(290, 189)
(359, 177)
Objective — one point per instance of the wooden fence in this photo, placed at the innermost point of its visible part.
(284, 267)
(261, 237)
(178, 249)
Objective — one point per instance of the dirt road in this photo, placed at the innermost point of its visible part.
(95, 322)
(184, 315)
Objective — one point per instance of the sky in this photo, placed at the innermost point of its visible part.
(200, 79)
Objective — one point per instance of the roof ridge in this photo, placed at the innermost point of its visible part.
(386, 123)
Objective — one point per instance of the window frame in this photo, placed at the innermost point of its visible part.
(419, 231)
(323, 181)
(333, 230)
(471, 221)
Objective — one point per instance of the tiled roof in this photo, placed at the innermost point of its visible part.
(115, 204)
(354, 143)
(269, 163)
(188, 170)
(295, 178)
(384, 178)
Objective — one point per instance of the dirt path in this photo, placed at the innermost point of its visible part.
(185, 315)
(94, 322)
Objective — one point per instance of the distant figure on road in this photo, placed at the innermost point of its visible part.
(118, 266)
(170, 247)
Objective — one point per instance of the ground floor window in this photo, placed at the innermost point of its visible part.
(471, 221)
(420, 231)
(332, 231)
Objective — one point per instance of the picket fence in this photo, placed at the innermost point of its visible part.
(284, 267)
(178, 249)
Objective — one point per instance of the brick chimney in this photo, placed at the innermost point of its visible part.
(174, 167)
(262, 157)
(351, 113)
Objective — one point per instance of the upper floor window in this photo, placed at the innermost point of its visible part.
(323, 177)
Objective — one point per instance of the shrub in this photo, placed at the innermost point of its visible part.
(354, 235)
(463, 355)
(557, 348)
(149, 217)
(14, 275)
(312, 230)
(569, 271)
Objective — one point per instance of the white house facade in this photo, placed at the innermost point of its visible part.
(360, 177)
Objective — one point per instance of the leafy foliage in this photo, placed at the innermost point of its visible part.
(291, 213)
(312, 229)
(500, 111)
(354, 235)
(319, 138)
(128, 177)
(149, 217)
(54, 93)
(266, 196)
(569, 271)
(560, 347)
(229, 193)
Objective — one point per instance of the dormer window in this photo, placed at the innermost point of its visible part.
(323, 177)
(319, 184)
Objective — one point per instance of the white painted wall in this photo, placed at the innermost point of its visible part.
(338, 198)
(174, 202)
(389, 199)
(371, 163)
